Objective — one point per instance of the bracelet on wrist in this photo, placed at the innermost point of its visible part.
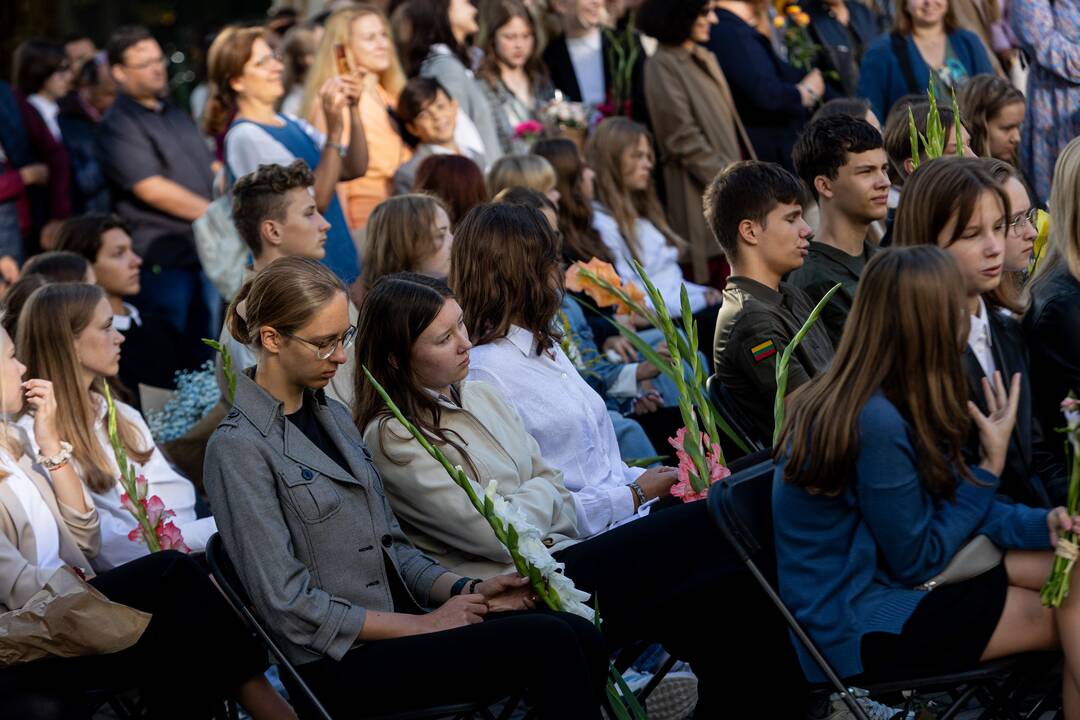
(473, 584)
(57, 461)
(639, 494)
(458, 586)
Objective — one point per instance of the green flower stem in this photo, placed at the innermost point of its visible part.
(782, 366)
(127, 476)
(226, 366)
(1056, 589)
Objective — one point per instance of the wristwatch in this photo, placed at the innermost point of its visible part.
(342, 150)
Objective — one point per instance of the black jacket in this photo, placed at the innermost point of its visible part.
(1052, 327)
(561, 70)
(1032, 474)
(842, 47)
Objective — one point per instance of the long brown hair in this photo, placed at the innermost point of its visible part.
(505, 268)
(904, 338)
(1008, 292)
(396, 311)
(981, 99)
(580, 239)
(496, 15)
(604, 152)
(50, 322)
(399, 235)
(225, 62)
(938, 190)
(455, 179)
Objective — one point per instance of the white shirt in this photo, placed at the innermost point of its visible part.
(247, 146)
(123, 323)
(42, 521)
(980, 342)
(569, 421)
(49, 110)
(175, 491)
(659, 259)
(587, 57)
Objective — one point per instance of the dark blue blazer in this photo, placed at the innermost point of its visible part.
(881, 78)
(838, 51)
(762, 85)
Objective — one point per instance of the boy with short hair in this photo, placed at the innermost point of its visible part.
(275, 213)
(428, 112)
(842, 160)
(754, 212)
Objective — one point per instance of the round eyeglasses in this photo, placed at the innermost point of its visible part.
(325, 349)
(1031, 217)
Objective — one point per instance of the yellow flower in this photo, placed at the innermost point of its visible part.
(802, 19)
(778, 22)
(793, 9)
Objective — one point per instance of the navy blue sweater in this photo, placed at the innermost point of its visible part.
(847, 563)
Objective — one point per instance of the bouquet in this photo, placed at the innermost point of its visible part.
(701, 461)
(196, 394)
(561, 113)
(802, 51)
(1056, 588)
(623, 53)
(528, 131)
(150, 514)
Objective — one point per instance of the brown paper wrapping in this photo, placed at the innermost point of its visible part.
(68, 618)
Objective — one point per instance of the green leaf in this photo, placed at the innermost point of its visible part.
(644, 462)
(956, 125)
(913, 133)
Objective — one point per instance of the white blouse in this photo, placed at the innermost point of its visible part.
(659, 259)
(569, 421)
(175, 491)
(42, 521)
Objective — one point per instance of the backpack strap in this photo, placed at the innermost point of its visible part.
(900, 50)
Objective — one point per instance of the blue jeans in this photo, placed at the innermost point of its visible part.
(634, 444)
(184, 297)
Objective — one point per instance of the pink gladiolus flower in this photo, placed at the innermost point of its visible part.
(135, 535)
(1070, 404)
(683, 489)
(170, 538)
(155, 509)
(127, 504)
(140, 487)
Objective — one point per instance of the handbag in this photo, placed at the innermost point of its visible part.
(973, 559)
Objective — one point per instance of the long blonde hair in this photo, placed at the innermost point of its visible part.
(1064, 242)
(338, 28)
(604, 153)
(51, 320)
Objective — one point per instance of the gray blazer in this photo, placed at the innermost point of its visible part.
(313, 544)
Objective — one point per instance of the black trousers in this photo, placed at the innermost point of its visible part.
(193, 653)
(670, 578)
(560, 659)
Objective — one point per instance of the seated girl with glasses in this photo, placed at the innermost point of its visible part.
(304, 516)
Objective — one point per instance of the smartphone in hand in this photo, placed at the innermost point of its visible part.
(341, 55)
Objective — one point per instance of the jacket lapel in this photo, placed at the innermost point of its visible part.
(20, 522)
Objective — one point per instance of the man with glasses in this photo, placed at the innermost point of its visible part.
(159, 168)
(275, 213)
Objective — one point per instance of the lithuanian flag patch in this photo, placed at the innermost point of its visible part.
(764, 350)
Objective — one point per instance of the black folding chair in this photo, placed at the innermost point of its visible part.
(733, 416)
(741, 507)
(224, 573)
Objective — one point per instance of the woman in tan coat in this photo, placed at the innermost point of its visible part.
(697, 127)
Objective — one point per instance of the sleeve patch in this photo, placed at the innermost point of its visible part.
(763, 350)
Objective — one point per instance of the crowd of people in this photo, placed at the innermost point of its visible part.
(400, 187)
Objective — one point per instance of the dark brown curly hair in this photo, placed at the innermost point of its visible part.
(260, 196)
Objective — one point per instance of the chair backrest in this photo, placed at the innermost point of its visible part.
(733, 416)
(224, 572)
(741, 507)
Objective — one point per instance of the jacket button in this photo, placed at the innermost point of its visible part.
(306, 474)
(233, 413)
(387, 541)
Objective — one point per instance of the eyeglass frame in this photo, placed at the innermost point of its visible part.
(1031, 216)
(161, 61)
(347, 340)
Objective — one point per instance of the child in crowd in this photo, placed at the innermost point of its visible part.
(67, 337)
(275, 213)
(430, 114)
(958, 205)
(842, 159)
(754, 212)
(993, 110)
(408, 233)
(873, 497)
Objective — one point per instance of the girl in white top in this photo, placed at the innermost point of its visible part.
(67, 337)
(629, 217)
